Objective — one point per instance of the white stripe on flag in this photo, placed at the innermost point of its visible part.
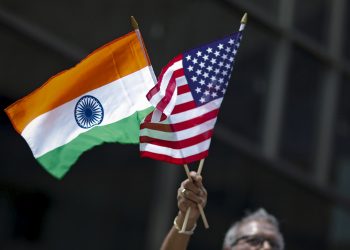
(176, 153)
(183, 98)
(195, 112)
(180, 81)
(179, 135)
(164, 83)
(119, 99)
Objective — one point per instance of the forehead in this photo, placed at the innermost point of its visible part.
(258, 227)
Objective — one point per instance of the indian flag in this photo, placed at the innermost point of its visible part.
(101, 99)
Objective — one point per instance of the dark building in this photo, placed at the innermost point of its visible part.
(282, 140)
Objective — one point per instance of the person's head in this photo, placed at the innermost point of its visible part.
(258, 230)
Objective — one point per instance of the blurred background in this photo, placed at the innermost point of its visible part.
(282, 140)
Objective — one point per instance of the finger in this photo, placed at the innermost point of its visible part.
(196, 177)
(184, 204)
(192, 187)
(188, 194)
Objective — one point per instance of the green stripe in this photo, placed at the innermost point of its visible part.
(58, 161)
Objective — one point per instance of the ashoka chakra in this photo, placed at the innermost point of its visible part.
(88, 112)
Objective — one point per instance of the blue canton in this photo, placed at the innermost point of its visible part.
(208, 68)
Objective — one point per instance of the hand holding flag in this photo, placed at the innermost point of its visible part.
(187, 98)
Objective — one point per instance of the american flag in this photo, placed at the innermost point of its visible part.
(187, 98)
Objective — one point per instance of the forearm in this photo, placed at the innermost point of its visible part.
(175, 240)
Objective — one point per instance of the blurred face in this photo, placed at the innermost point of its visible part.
(254, 235)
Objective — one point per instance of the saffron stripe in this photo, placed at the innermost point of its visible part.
(101, 67)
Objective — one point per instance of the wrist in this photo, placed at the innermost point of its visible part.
(178, 226)
(191, 222)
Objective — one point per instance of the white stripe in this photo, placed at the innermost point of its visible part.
(176, 153)
(156, 115)
(120, 99)
(169, 108)
(179, 135)
(183, 98)
(180, 81)
(195, 112)
(164, 83)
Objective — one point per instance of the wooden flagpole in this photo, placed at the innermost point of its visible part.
(200, 168)
(135, 26)
(200, 208)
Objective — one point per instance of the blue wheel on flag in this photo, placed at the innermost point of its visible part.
(88, 112)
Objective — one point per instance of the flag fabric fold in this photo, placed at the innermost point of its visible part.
(101, 99)
(187, 98)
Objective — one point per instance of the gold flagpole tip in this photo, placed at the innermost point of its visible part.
(244, 19)
(134, 24)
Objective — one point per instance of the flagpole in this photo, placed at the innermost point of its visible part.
(244, 21)
(135, 26)
(200, 208)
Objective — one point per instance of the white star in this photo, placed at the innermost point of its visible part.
(199, 53)
(195, 60)
(213, 78)
(220, 46)
(234, 52)
(209, 50)
(214, 94)
(209, 68)
(188, 57)
(205, 57)
(194, 78)
(198, 89)
(224, 56)
(202, 100)
(206, 92)
(202, 64)
(231, 41)
(190, 68)
(228, 49)
(217, 87)
(227, 66)
(221, 80)
(217, 53)
(224, 72)
(201, 82)
(210, 85)
(216, 71)
(198, 72)
(213, 60)
(231, 59)
(205, 75)
(221, 63)
(223, 91)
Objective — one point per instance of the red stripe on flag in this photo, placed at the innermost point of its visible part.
(156, 88)
(175, 127)
(184, 107)
(170, 89)
(183, 89)
(178, 161)
(178, 144)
